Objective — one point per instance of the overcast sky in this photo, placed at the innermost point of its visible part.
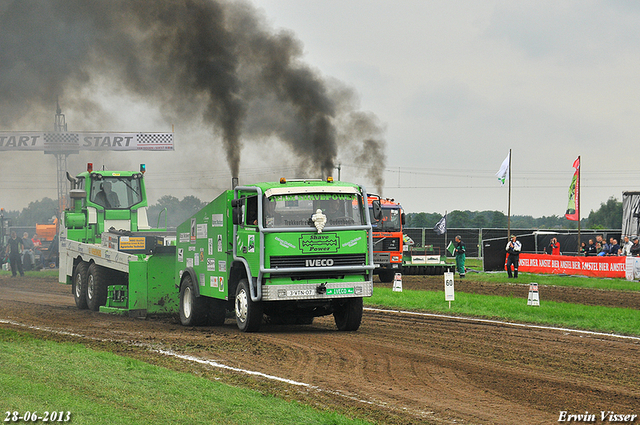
(458, 84)
(455, 85)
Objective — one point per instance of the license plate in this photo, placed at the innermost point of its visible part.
(339, 291)
(300, 292)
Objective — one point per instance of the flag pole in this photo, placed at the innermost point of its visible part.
(509, 206)
(578, 201)
(445, 235)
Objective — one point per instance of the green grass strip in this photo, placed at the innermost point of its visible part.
(603, 319)
(558, 280)
(103, 388)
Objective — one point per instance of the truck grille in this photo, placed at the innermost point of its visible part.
(318, 260)
(386, 244)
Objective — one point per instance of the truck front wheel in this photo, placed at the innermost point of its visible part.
(193, 310)
(348, 315)
(386, 276)
(248, 313)
(79, 286)
(96, 287)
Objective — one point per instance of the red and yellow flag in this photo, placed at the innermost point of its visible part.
(573, 209)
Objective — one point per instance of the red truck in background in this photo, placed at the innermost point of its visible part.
(387, 238)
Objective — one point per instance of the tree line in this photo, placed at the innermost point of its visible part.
(608, 216)
(45, 210)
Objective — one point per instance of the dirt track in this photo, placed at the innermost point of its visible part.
(396, 369)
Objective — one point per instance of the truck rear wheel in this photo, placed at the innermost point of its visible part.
(348, 315)
(248, 313)
(79, 285)
(193, 309)
(96, 287)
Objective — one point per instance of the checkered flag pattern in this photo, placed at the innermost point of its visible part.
(155, 139)
(61, 139)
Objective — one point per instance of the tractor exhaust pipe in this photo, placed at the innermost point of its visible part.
(234, 182)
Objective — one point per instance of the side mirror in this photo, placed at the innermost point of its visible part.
(377, 209)
(403, 218)
(236, 214)
(236, 211)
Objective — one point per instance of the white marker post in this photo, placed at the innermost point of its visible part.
(397, 282)
(534, 295)
(448, 287)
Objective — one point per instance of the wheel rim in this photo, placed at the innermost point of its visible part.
(78, 285)
(186, 302)
(90, 287)
(241, 305)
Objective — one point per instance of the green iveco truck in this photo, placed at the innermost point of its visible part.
(284, 252)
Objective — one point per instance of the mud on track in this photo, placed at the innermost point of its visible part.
(396, 369)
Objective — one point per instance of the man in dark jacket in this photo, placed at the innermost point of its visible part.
(635, 248)
(513, 248)
(461, 254)
(14, 249)
(591, 249)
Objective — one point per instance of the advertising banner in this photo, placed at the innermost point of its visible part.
(77, 141)
(565, 264)
(633, 268)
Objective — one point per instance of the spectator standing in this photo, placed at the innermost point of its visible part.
(626, 247)
(461, 254)
(635, 248)
(14, 249)
(513, 248)
(28, 256)
(554, 247)
(37, 247)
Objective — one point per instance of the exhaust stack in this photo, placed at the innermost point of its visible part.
(234, 182)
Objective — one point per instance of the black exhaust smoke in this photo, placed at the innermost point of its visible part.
(202, 60)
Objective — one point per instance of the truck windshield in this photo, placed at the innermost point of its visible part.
(116, 192)
(295, 210)
(389, 222)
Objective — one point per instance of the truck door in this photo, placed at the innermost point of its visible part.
(248, 236)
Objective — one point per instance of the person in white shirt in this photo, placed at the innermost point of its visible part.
(513, 249)
(626, 247)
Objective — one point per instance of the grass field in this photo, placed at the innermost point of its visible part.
(595, 318)
(102, 388)
(474, 272)
(559, 280)
(604, 319)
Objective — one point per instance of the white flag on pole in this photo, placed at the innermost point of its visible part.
(503, 172)
(441, 227)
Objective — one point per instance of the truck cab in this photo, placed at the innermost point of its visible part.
(387, 237)
(103, 200)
